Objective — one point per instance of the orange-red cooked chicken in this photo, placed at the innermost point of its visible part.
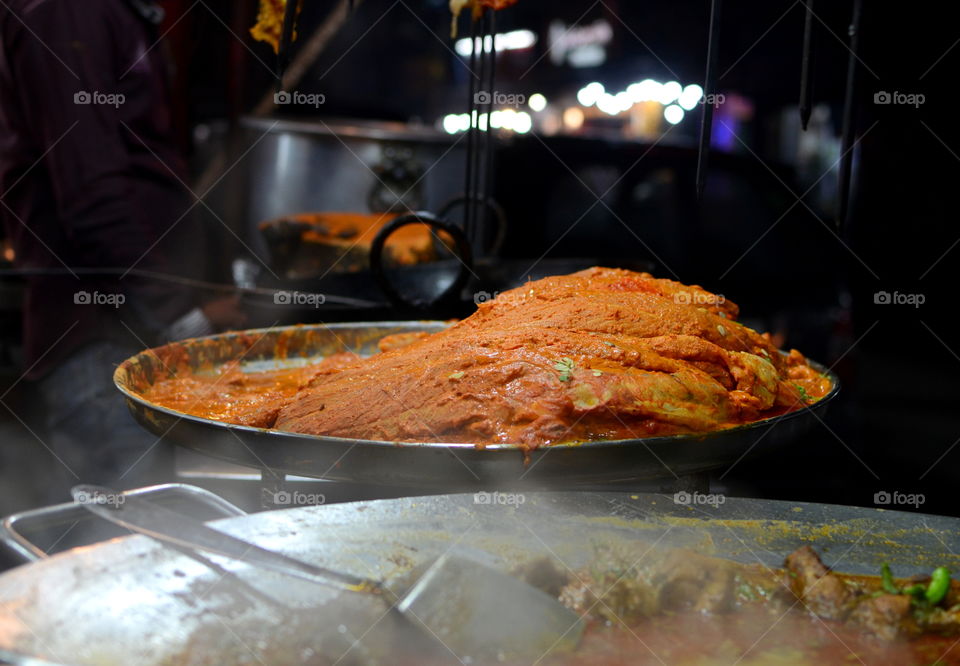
(269, 26)
(476, 8)
(599, 354)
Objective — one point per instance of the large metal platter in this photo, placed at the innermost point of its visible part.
(134, 601)
(425, 465)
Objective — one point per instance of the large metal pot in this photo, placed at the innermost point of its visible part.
(343, 165)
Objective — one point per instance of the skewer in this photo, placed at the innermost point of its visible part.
(849, 104)
(482, 78)
(471, 130)
(706, 122)
(806, 67)
(486, 190)
(286, 39)
(476, 155)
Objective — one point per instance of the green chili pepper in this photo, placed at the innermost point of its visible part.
(939, 585)
(916, 591)
(886, 580)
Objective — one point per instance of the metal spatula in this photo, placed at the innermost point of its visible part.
(476, 611)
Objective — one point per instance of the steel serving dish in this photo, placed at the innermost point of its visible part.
(422, 465)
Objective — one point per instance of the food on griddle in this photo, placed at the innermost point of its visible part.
(269, 26)
(597, 355)
(661, 605)
(650, 605)
(306, 245)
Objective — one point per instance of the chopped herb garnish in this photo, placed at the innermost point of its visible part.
(806, 397)
(456, 375)
(923, 597)
(565, 367)
(597, 373)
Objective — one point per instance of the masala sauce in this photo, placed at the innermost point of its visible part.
(230, 395)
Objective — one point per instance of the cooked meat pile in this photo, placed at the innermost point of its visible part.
(677, 580)
(599, 354)
(308, 245)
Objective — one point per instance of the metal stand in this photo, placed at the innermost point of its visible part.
(273, 485)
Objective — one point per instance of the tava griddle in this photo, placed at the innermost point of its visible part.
(133, 601)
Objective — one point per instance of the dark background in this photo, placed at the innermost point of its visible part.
(793, 267)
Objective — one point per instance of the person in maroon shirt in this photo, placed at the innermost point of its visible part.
(90, 179)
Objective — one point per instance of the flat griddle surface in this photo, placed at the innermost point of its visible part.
(135, 601)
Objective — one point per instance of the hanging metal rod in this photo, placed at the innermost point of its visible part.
(709, 86)
(806, 67)
(849, 114)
